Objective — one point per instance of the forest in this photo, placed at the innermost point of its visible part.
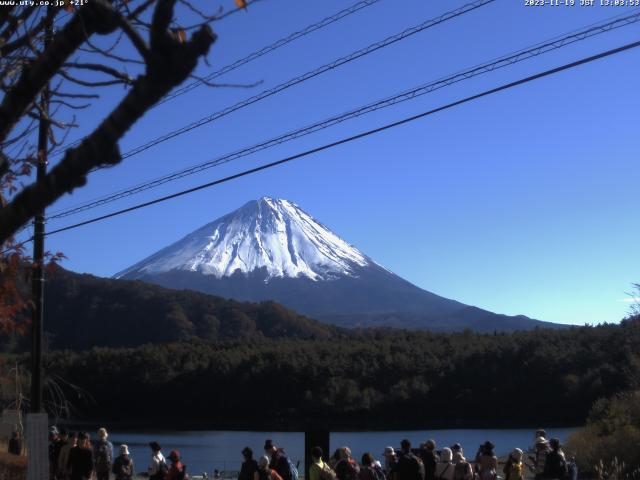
(371, 379)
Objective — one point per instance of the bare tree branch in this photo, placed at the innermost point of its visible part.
(88, 83)
(97, 16)
(72, 106)
(170, 63)
(97, 67)
(74, 95)
(29, 34)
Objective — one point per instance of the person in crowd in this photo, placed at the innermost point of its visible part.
(80, 462)
(444, 467)
(56, 448)
(346, 468)
(377, 466)
(368, 470)
(409, 466)
(541, 432)
(390, 460)
(15, 443)
(264, 471)
(103, 455)
(177, 470)
(429, 458)
(123, 467)
(462, 469)
(514, 467)
(335, 458)
(54, 439)
(249, 465)
(279, 460)
(63, 459)
(555, 466)
(539, 459)
(456, 447)
(319, 470)
(486, 462)
(158, 467)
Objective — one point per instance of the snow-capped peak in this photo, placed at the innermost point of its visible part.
(268, 233)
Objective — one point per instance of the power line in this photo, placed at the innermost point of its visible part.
(492, 65)
(253, 56)
(308, 76)
(270, 48)
(358, 136)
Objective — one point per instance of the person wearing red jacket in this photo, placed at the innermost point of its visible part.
(177, 470)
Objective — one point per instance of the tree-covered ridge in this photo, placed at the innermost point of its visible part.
(369, 379)
(83, 311)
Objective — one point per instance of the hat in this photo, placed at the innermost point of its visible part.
(456, 447)
(247, 452)
(345, 452)
(388, 451)
(102, 433)
(516, 454)
(377, 464)
(53, 430)
(405, 443)
(155, 446)
(124, 450)
(430, 444)
(174, 455)
(488, 445)
(541, 441)
(555, 443)
(268, 444)
(263, 461)
(446, 455)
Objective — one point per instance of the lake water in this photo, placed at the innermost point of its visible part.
(205, 451)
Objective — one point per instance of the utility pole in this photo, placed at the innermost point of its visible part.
(37, 420)
(38, 243)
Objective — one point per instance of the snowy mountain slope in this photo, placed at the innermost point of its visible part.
(271, 249)
(270, 234)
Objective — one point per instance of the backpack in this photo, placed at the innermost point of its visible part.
(446, 469)
(125, 469)
(556, 466)
(327, 473)
(379, 474)
(182, 474)
(103, 457)
(462, 471)
(293, 471)
(163, 468)
(411, 465)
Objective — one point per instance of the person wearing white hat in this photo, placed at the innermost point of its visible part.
(390, 459)
(542, 449)
(123, 467)
(444, 467)
(513, 467)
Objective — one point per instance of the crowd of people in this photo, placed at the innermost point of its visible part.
(73, 456)
(547, 462)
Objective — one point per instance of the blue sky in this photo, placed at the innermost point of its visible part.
(524, 202)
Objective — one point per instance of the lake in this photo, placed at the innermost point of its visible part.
(204, 451)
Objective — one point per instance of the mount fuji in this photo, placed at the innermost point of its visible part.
(270, 249)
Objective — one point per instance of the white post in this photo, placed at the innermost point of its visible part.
(37, 446)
